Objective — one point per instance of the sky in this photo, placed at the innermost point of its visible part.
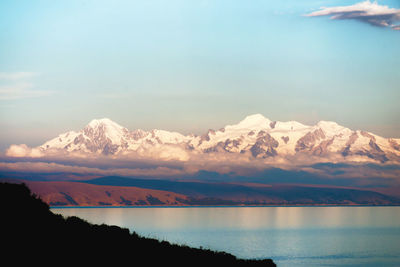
(189, 66)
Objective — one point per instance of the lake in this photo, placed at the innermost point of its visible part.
(291, 236)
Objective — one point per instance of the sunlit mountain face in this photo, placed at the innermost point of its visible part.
(256, 149)
(255, 137)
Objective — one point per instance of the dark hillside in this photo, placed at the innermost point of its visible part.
(33, 235)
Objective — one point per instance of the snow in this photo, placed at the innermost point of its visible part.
(169, 137)
(113, 130)
(361, 142)
(331, 128)
(252, 122)
(60, 141)
(104, 121)
(289, 126)
(168, 145)
(384, 144)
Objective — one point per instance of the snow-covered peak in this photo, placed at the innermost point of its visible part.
(104, 121)
(330, 126)
(107, 128)
(169, 137)
(61, 140)
(255, 135)
(288, 126)
(255, 121)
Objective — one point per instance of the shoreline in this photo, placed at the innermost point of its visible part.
(221, 206)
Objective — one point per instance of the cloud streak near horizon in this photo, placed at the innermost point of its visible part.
(17, 85)
(367, 12)
(81, 169)
(133, 165)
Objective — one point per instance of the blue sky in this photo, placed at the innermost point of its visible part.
(191, 65)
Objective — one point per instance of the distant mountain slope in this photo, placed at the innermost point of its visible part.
(119, 191)
(253, 137)
(81, 194)
(199, 193)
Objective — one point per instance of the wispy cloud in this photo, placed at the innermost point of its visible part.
(21, 90)
(367, 12)
(16, 85)
(112, 95)
(52, 167)
(17, 75)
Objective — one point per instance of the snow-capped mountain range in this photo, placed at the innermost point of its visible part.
(255, 137)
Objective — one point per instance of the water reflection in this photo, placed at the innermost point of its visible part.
(292, 236)
(249, 218)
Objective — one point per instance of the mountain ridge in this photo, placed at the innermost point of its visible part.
(253, 137)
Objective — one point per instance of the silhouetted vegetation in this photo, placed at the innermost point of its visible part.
(32, 234)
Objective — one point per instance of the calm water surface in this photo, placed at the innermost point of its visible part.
(291, 236)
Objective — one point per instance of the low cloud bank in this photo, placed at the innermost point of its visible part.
(23, 150)
(173, 163)
(46, 167)
(221, 166)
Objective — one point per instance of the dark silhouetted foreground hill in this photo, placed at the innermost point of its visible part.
(33, 235)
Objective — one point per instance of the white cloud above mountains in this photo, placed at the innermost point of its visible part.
(367, 12)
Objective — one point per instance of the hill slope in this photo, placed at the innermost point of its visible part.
(200, 193)
(119, 191)
(81, 194)
(31, 232)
